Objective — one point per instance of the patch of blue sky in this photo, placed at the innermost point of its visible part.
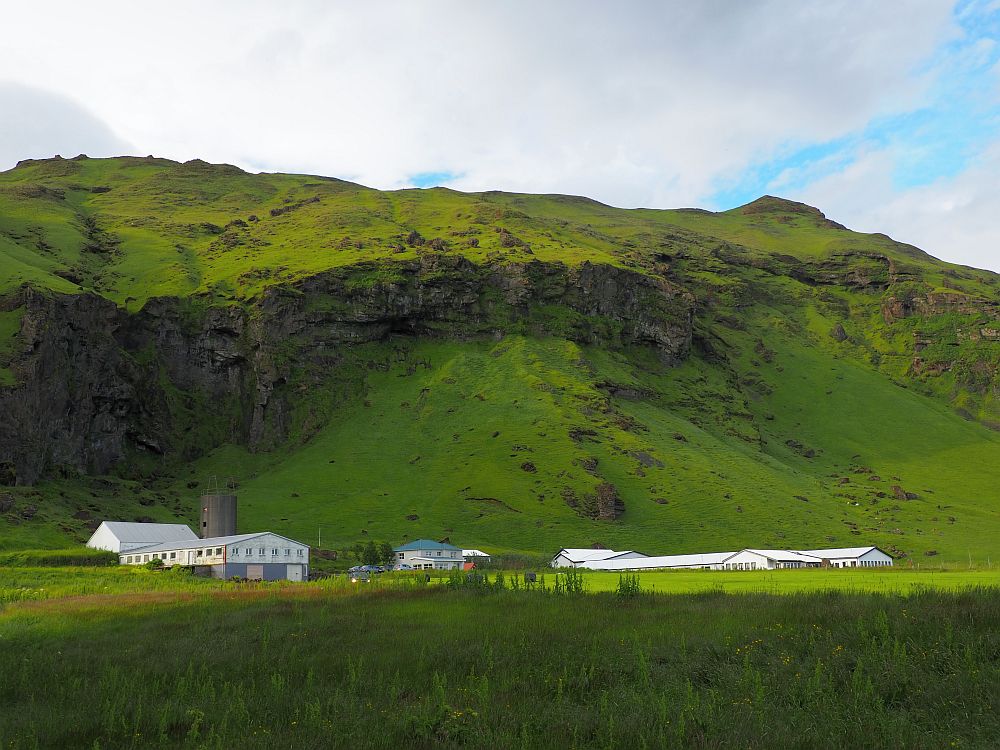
(960, 117)
(431, 179)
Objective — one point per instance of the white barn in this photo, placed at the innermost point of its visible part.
(746, 559)
(475, 556)
(264, 556)
(121, 536)
(769, 559)
(576, 558)
(851, 557)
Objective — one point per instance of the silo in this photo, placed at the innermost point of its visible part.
(218, 515)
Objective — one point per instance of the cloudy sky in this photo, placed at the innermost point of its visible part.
(886, 115)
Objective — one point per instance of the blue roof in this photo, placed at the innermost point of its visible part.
(425, 544)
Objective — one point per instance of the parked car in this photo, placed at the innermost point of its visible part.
(402, 566)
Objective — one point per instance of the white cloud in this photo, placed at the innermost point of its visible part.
(954, 218)
(632, 103)
(36, 123)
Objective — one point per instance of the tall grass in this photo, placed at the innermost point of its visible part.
(417, 666)
(58, 557)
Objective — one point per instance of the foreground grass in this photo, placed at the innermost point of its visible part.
(433, 666)
(875, 580)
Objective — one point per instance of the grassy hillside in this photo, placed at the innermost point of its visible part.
(841, 387)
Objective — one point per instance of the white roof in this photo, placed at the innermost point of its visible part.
(662, 561)
(583, 555)
(216, 541)
(130, 533)
(838, 552)
(474, 553)
(784, 554)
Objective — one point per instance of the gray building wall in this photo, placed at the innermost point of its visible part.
(272, 571)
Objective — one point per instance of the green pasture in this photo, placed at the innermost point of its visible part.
(902, 581)
(213, 665)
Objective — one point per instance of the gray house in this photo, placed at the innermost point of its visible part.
(264, 556)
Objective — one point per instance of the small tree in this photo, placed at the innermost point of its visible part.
(386, 554)
(370, 554)
(358, 550)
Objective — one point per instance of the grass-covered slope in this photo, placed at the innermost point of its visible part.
(840, 388)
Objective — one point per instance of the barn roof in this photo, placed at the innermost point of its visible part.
(583, 555)
(420, 544)
(784, 554)
(838, 552)
(661, 561)
(216, 541)
(131, 533)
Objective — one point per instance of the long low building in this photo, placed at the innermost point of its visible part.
(707, 561)
(578, 558)
(262, 556)
(745, 559)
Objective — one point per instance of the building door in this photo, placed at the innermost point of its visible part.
(294, 573)
(255, 572)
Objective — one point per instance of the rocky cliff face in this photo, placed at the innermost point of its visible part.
(95, 384)
(935, 303)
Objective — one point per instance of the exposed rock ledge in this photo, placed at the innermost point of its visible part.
(95, 382)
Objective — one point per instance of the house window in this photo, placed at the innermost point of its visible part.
(399, 555)
(274, 551)
(261, 551)
(145, 558)
(236, 551)
(128, 559)
(287, 552)
(173, 555)
(198, 553)
(218, 550)
(299, 552)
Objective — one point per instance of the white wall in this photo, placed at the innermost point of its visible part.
(746, 560)
(254, 551)
(262, 550)
(451, 557)
(876, 559)
(104, 539)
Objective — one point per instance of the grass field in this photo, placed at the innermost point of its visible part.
(211, 665)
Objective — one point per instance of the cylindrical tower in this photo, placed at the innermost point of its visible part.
(218, 515)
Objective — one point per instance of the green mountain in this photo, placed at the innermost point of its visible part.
(514, 372)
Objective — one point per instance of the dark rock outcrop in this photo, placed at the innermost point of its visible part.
(897, 307)
(96, 384)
